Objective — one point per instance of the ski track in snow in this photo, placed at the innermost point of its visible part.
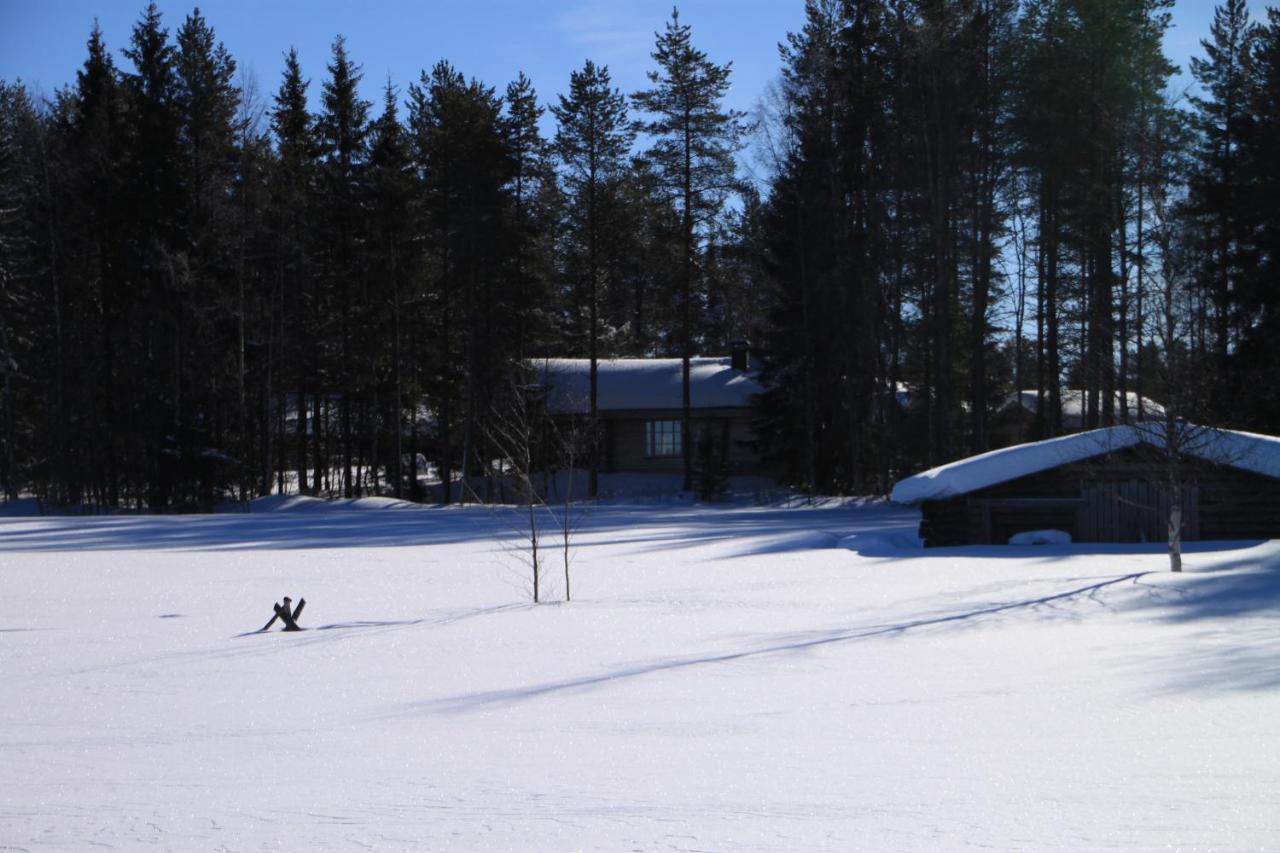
(727, 678)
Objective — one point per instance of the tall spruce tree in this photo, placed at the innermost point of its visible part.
(695, 140)
(536, 207)
(162, 438)
(256, 297)
(824, 231)
(206, 101)
(986, 190)
(93, 122)
(391, 187)
(1258, 298)
(21, 326)
(592, 141)
(465, 164)
(1047, 139)
(292, 212)
(342, 132)
(1214, 200)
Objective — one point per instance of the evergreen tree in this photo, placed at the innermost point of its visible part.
(795, 218)
(162, 442)
(592, 141)
(185, 296)
(643, 250)
(20, 320)
(986, 191)
(824, 234)
(92, 119)
(736, 292)
(256, 297)
(695, 141)
(1090, 76)
(1047, 138)
(1258, 298)
(342, 133)
(206, 102)
(459, 149)
(392, 189)
(536, 208)
(292, 211)
(1214, 187)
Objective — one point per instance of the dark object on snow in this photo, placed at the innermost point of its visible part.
(282, 613)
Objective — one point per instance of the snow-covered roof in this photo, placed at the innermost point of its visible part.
(645, 383)
(1249, 451)
(1074, 401)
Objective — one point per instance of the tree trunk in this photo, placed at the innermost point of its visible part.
(397, 403)
(1053, 380)
(593, 333)
(686, 342)
(1175, 526)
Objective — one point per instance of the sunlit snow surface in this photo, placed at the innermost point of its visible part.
(725, 679)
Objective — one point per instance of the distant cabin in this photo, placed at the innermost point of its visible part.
(1015, 417)
(639, 403)
(1105, 485)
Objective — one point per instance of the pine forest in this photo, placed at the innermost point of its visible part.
(210, 292)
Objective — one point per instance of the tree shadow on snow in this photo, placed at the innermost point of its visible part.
(647, 528)
(1245, 583)
(472, 701)
(376, 625)
(1235, 605)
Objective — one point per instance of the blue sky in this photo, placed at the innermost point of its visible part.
(42, 41)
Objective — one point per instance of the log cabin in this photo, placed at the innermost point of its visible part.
(1107, 485)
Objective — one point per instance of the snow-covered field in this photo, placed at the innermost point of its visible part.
(725, 679)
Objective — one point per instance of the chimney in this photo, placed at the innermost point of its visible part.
(741, 354)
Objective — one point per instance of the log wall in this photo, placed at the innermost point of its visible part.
(1118, 498)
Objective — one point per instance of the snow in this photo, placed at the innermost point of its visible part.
(1074, 403)
(725, 679)
(645, 383)
(1041, 537)
(305, 503)
(1249, 451)
(1010, 463)
(647, 487)
(22, 506)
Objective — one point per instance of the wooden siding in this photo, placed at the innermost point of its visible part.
(624, 440)
(1119, 498)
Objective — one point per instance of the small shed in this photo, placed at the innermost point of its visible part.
(1106, 485)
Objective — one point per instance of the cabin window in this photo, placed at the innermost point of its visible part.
(662, 438)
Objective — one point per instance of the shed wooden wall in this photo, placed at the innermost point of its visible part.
(1118, 498)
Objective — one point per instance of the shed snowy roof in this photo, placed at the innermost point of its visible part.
(645, 383)
(1249, 451)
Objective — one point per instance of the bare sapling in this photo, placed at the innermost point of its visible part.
(515, 430)
(1182, 434)
(568, 440)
